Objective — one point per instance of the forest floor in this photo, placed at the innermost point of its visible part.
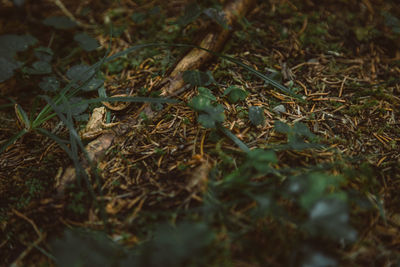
(318, 189)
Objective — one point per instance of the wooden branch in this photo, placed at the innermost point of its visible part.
(214, 40)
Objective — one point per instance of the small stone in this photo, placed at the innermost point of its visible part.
(279, 109)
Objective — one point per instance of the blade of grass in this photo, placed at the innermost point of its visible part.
(234, 138)
(61, 142)
(76, 142)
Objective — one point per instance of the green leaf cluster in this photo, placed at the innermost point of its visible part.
(299, 136)
(211, 114)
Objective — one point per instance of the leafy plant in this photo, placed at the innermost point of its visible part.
(10, 44)
(235, 94)
(211, 113)
(297, 134)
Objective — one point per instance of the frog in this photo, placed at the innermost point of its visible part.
(96, 124)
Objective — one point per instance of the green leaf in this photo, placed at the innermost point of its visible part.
(38, 67)
(44, 54)
(76, 104)
(282, 127)
(302, 129)
(261, 155)
(86, 42)
(197, 78)
(7, 68)
(84, 248)
(174, 246)
(49, 84)
(80, 73)
(204, 92)
(92, 85)
(261, 160)
(235, 94)
(212, 116)
(59, 22)
(11, 43)
(256, 116)
(200, 103)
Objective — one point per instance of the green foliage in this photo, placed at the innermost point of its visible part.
(198, 78)
(86, 42)
(49, 84)
(80, 248)
(297, 136)
(312, 202)
(256, 116)
(10, 44)
(182, 245)
(235, 94)
(211, 113)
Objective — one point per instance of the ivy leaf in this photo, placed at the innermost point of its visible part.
(49, 84)
(256, 116)
(59, 22)
(198, 78)
(86, 42)
(235, 94)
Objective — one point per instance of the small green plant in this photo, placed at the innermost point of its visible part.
(235, 94)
